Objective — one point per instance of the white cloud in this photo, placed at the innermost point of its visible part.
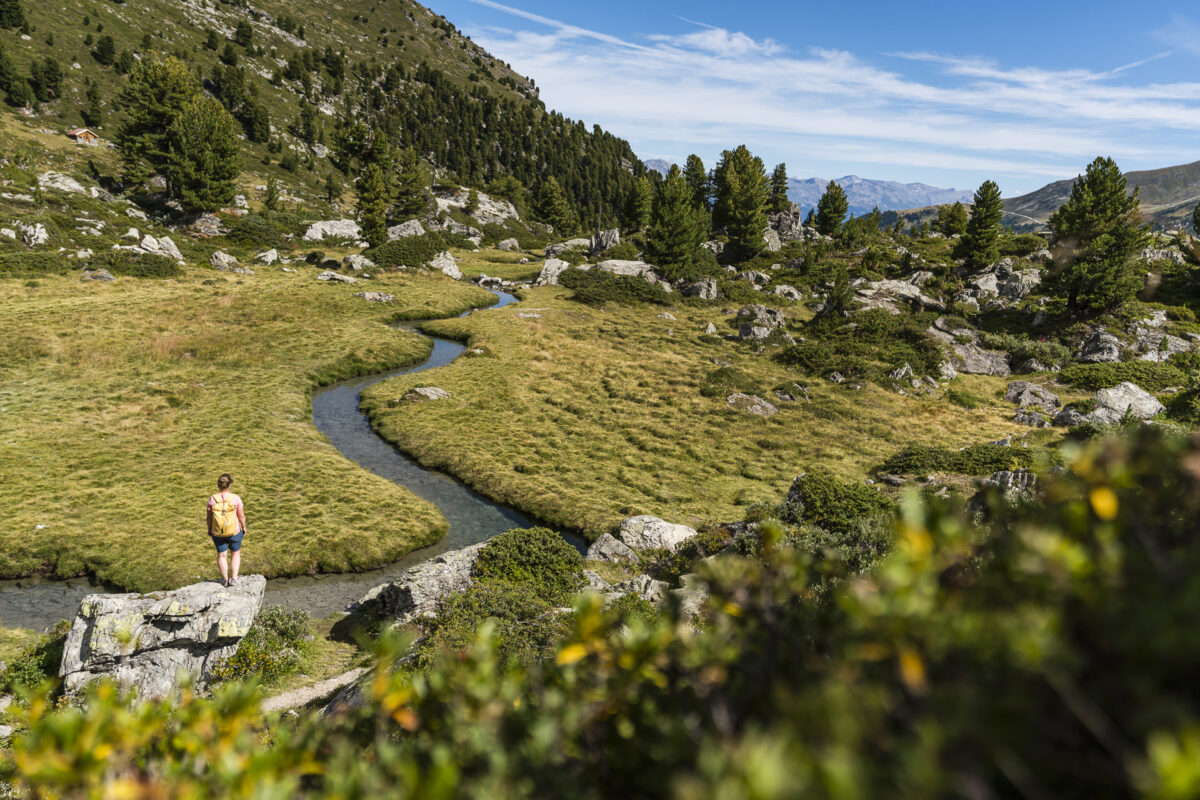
(711, 88)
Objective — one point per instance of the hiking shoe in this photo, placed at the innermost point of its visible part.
(233, 581)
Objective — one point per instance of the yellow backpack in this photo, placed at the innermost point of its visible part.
(225, 519)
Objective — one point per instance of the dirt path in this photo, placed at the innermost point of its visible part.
(294, 698)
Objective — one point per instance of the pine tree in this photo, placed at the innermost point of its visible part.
(742, 193)
(46, 77)
(243, 34)
(93, 113)
(698, 181)
(12, 15)
(154, 96)
(1102, 226)
(554, 210)
(640, 204)
(229, 55)
(677, 229)
(980, 245)
(779, 188)
(952, 220)
(333, 188)
(831, 210)
(1196, 220)
(373, 204)
(410, 192)
(106, 51)
(271, 198)
(204, 155)
(213, 42)
(11, 82)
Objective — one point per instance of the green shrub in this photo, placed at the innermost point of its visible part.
(872, 345)
(594, 287)
(525, 624)
(415, 251)
(623, 251)
(1150, 376)
(534, 557)
(823, 500)
(633, 606)
(857, 547)
(137, 265)
(978, 459)
(1020, 244)
(22, 263)
(1023, 348)
(735, 291)
(964, 399)
(725, 381)
(38, 662)
(257, 231)
(274, 647)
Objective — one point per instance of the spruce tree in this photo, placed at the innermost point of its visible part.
(46, 76)
(409, 185)
(554, 210)
(106, 51)
(742, 193)
(832, 209)
(640, 204)
(698, 181)
(243, 34)
(952, 220)
(12, 85)
(779, 189)
(333, 188)
(373, 203)
(157, 91)
(271, 198)
(677, 229)
(12, 15)
(1102, 226)
(980, 245)
(204, 155)
(93, 112)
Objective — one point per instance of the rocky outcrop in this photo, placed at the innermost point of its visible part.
(630, 268)
(1015, 484)
(553, 268)
(1101, 346)
(609, 548)
(487, 209)
(757, 322)
(150, 642)
(330, 275)
(884, 294)
(445, 263)
(338, 229)
(509, 245)
(1151, 254)
(787, 292)
(160, 246)
(33, 234)
(426, 393)
(61, 183)
(705, 290)
(357, 262)
(603, 240)
(751, 404)
(772, 241)
(376, 297)
(411, 228)
(651, 533)
(418, 590)
(1112, 404)
(971, 358)
(645, 587)
(222, 261)
(556, 250)
(1032, 395)
(267, 257)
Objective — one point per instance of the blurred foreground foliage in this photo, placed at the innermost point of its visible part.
(1043, 648)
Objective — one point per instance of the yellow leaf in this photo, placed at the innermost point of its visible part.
(1104, 503)
(912, 670)
(570, 654)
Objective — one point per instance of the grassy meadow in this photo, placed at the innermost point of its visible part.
(583, 415)
(120, 404)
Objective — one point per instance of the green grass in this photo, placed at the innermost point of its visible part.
(593, 414)
(120, 404)
(500, 264)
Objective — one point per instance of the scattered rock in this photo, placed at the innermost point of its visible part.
(755, 277)
(1159, 347)
(132, 233)
(705, 290)
(710, 329)
(445, 262)
(8, 233)
(644, 587)
(771, 239)
(149, 642)
(33, 235)
(622, 267)
(1112, 404)
(161, 246)
(667, 315)
(880, 294)
(691, 595)
(903, 373)
(1151, 254)
(553, 268)
(345, 229)
(556, 250)
(1069, 418)
(222, 261)
(609, 548)
(411, 228)
(1032, 418)
(651, 533)
(970, 357)
(604, 240)
(98, 275)
(330, 275)
(789, 292)
(357, 262)
(426, 393)
(267, 257)
(207, 226)
(1032, 395)
(1013, 483)
(60, 182)
(1101, 346)
(509, 246)
(751, 404)
(376, 297)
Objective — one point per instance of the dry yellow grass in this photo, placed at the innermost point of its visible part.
(582, 416)
(120, 403)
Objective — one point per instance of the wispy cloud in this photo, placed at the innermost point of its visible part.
(710, 88)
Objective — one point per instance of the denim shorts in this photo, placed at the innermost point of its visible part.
(233, 543)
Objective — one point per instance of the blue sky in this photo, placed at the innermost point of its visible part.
(945, 93)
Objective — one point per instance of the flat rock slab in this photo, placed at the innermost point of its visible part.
(150, 642)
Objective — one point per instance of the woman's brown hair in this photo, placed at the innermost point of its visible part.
(224, 482)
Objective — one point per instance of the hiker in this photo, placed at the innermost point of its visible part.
(227, 526)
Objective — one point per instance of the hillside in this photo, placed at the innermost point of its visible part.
(865, 194)
(1168, 195)
(309, 88)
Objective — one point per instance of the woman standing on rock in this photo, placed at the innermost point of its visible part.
(227, 526)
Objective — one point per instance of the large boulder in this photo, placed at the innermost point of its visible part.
(357, 262)
(411, 228)
(971, 358)
(222, 261)
(486, 210)
(705, 290)
(509, 245)
(60, 182)
(332, 229)
(631, 268)
(267, 257)
(761, 316)
(609, 548)
(550, 272)
(772, 241)
(445, 262)
(161, 246)
(603, 240)
(556, 250)
(1032, 395)
(150, 642)
(1101, 346)
(1112, 404)
(1017, 285)
(651, 533)
(330, 275)
(883, 294)
(751, 404)
(418, 590)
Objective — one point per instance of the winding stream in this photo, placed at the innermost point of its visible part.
(40, 602)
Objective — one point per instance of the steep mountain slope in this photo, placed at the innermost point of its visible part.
(865, 194)
(324, 74)
(1168, 194)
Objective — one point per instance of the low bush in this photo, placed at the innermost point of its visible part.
(857, 547)
(1020, 244)
(22, 263)
(257, 231)
(1150, 376)
(978, 459)
(821, 499)
(415, 251)
(735, 291)
(633, 606)
(594, 287)
(274, 647)
(725, 381)
(623, 251)
(964, 399)
(1023, 348)
(535, 557)
(38, 662)
(137, 265)
(874, 344)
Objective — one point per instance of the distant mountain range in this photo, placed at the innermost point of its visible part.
(864, 194)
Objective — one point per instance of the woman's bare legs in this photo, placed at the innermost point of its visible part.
(237, 563)
(223, 566)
